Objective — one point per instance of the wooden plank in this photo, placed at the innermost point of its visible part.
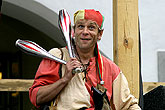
(15, 84)
(23, 85)
(126, 41)
(148, 86)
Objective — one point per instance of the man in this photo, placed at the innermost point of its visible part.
(100, 86)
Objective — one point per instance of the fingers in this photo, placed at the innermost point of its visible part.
(71, 65)
(75, 63)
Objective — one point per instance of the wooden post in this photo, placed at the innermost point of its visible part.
(126, 41)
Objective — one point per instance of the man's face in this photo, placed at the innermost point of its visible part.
(86, 34)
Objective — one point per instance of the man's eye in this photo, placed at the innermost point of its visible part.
(92, 27)
(80, 26)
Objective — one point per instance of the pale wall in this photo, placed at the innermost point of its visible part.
(151, 14)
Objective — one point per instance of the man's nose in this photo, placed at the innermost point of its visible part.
(85, 31)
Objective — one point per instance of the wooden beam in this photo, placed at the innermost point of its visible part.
(15, 84)
(126, 41)
(23, 85)
(148, 86)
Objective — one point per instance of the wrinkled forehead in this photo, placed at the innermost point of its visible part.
(86, 22)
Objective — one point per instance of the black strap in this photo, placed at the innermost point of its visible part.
(60, 69)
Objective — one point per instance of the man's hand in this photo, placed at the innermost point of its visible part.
(71, 64)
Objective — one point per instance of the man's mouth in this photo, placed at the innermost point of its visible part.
(85, 39)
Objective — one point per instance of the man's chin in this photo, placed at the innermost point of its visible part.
(85, 47)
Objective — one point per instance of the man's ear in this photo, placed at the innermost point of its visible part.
(100, 34)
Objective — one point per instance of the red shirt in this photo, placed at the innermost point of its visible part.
(48, 73)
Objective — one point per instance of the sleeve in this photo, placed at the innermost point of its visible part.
(122, 98)
(47, 73)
